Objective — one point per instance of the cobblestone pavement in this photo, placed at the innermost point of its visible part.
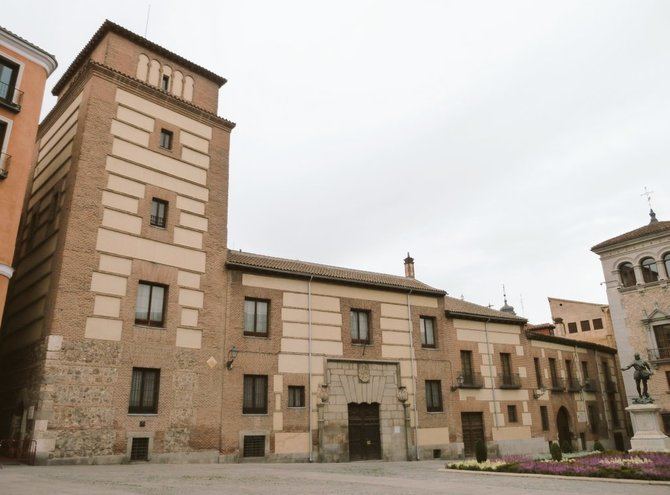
(387, 478)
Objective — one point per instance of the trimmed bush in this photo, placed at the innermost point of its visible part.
(566, 447)
(597, 446)
(556, 453)
(480, 450)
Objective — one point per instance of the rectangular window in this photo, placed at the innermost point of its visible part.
(466, 365)
(159, 209)
(360, 328)
(165, 83)
(572, 327)
(555, 382)
(255, 394)
(139, 449)
(544, 415)
(434, 396)
(150, 304)
(538, 372)
(666, 423)
(144, 391)
(165, 139)
(667, 377)
(569, 373)
(256, 313)
(592, 411)
(585, 370)
(662, 334)
(296, 396)
(586, 325)
(598, 324)
(8, 74)
(427, 331)
(511, 414)
(254, 446)
(614, 411)
(3, 131)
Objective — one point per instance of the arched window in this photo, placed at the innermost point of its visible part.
(627, 274)
(649, 270)
(666, 261)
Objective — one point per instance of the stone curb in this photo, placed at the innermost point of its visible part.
(560, 477)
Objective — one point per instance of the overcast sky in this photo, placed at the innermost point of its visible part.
(496, 141)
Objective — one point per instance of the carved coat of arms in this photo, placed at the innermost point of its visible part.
(364, 372)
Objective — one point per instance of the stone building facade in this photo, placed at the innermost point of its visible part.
(636, 266)
(135, 334)
(581, 320)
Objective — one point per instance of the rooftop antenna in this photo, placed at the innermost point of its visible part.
(146, 26)
(647, 193)
(523, 310)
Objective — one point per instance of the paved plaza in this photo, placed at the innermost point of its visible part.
(279, 479)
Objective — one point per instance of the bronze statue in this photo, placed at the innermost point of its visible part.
(642, 373)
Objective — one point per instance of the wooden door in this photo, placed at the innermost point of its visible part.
(364, 434)
(563, 427)
(473, 430)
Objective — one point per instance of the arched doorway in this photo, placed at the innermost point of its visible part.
(563, 427)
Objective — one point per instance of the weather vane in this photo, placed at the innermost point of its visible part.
(647, 193)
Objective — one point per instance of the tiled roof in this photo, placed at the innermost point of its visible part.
(240, 259)
(570, 342)
(650, 229)
(540, 326)
(459, 306)
(31, 45)
(109, 26)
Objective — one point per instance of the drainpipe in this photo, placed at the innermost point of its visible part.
(411, 357)
(309, 368)
(493, 385)
(578, 368)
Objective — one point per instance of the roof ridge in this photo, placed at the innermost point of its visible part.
(640, 232)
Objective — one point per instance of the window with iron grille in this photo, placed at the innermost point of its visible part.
(165, 83)
(165, 140)
(427, 331)
(256, 317)
(586, 325)
(359, 321)
(159, 210)
(255, 394)
(544, 415)
(598, 324)
(538, 372)
(614, 411)
(296, 396)
(254, 446)
(150, 304)
(434, 396)
(511, 414)
(139, 449)
(553, 372)
(572, 327)
(144, 391)
(8, 75)
(466, 366)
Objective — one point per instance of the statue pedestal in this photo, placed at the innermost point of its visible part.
(648, 435)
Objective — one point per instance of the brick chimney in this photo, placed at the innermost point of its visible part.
(409, 266)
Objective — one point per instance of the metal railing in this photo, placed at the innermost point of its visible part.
(557, 384)
(574, 385)
(5, 160)
(590, 385)
(10, 96)
(470, 380)
(659, 354)
(158, 221)
(509, 380)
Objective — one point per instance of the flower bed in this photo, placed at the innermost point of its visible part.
(636, 465)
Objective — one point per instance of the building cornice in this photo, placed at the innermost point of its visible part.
(6, 270)
(28, 50)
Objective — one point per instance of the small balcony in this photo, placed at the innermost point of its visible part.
(469, 380)
(10, 97)
(659, 355)
(557, 384)
(590, 385)
(509, 380)
(574, 385)
(5, 160)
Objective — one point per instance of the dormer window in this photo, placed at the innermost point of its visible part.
(165, 82)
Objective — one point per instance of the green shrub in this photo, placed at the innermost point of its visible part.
(480, 450)
(598, 446)
(556, 453)
(566, 447)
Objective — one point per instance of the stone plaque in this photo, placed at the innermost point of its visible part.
(364, 372)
